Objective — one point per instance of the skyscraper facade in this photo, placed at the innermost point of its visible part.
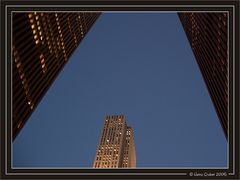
(42, 43)
(116, 148)
(208, 37)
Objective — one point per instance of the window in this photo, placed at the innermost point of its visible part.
(37, 41)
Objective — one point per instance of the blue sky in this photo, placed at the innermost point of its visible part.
(137, 64)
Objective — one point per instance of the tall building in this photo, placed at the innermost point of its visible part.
(116, 148)
(208, 37)
(42, 43)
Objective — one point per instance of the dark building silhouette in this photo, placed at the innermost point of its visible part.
(42, 43)
(116, 148)
(208, 37)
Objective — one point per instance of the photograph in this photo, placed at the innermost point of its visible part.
(137, 73)
(121, 91)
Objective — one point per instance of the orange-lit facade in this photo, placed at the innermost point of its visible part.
(208, 37)
(116, 148)
(42, 43)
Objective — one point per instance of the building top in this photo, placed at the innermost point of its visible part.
(116, 147)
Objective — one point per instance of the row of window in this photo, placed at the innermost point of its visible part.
(108, 152)
(22, 77)
(106, 164)
(61, 37)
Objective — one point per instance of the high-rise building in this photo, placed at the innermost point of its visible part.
(208, 37)
(116, 148)
(42, 43)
